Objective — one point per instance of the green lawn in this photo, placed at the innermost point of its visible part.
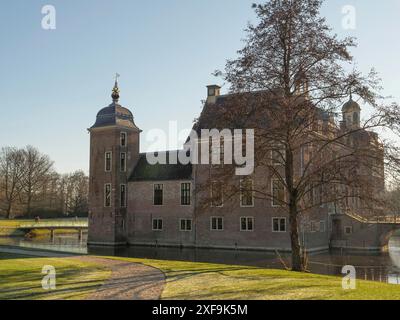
(20, 278)
(200, 281)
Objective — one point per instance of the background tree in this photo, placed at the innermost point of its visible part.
(29, 186)
(11, 170)
(302, 75)
(76, 193)
(37, 169)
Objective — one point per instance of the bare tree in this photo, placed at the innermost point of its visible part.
(75, 193)
(12, 170)
(288, 83)
(37, 169)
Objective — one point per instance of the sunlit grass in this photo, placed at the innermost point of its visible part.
(203, 281)
(20, 278)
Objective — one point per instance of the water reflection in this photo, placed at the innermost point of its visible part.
(383, 267)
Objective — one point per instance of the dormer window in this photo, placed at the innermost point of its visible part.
(123, 139)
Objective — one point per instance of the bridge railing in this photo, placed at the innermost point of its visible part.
(83, 223)
(375, 220)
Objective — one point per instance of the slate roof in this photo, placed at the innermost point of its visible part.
(160, 172)
(115, 114)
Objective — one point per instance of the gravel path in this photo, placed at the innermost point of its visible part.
(128, 281)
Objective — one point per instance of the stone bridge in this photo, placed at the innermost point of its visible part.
(79, 225)
(351, 231)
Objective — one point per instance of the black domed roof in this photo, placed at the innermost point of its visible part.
(115, 114)
(350, 105)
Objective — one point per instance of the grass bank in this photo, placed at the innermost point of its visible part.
(21, 276)
(20, 279)
(203, 281)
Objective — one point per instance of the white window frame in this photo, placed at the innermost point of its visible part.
(322, 226)
(105, 161)
(313, 226)
(252, 194)
(212, 196)
(190, 194)
(105, 195)
(247, 224)
(346, 228)
(122, 169)
(123, 205)
(120, 139)
(153, 192)
(185, 230)
(272, 193)
(279, 218)
(211, 224)
(283, 156)
(162, 224)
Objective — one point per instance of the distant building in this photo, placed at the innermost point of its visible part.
(133, 202)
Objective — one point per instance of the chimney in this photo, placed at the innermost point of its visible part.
(213, 92)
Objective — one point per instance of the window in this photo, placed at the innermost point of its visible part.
(355, 118)
(217, 152)
(157, 224)
(107, 161)
(123, 162)
(186, 225)
(217, 223)
(107, 195)
(123, 196)
(279, 224)
(307, 155)
(246, 193)
(216, 194)
(123, 139)
(348, 230)
(158, 194)
(278, 155)
(278, 193)
(322, 226)
(185, 194)
(246, 224)
(313, 226)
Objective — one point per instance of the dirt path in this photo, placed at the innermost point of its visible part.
(128, 281)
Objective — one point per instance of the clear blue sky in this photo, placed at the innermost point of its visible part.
(53, 83)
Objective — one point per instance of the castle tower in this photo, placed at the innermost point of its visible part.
(351, 114)
(114, 152)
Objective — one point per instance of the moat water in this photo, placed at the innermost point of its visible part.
(383, 267)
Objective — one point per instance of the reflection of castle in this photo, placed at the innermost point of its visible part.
(134, 202)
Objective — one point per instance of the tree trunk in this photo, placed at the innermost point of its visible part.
(8, 211)
(297, 260)
(28, 205)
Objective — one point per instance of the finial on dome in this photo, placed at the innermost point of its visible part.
(115, 91)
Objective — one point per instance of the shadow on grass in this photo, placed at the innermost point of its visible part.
(65, 283)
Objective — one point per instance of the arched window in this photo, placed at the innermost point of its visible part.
(355, 118)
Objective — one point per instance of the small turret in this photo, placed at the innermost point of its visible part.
(351, 114)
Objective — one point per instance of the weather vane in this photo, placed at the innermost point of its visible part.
(117, 75)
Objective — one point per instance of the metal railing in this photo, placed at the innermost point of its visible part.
(70, 223)
(374, 220)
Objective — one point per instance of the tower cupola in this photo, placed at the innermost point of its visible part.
(351, 114)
